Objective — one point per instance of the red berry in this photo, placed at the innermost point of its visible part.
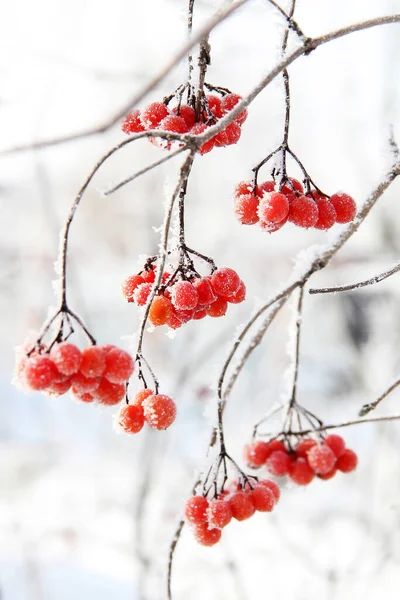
(272, 227)
(205, 292)
(174, 124)
(129, 286)
(93, 362)
(58, 388)
(347, 462)
(174, 322)
(153, 114)
(256, 453)
(196, 510)
(232, 133)
(229, 102)
(160, 311)
(140, 396)
(84, 384)
(336, 443)
(214, 104)
(295, 186)
(345, 207)
(275, 445)
(184, 296)
(206, 536)
(328, 475)
(119, 366)
(304, 446)
(274, 207)
(197, 129)
(300, 472)
(273, 486)
(132, 123)
(321, 459)
(109, 393)
(326, 213)
(159, 411)
(239, 296)
(199, 314)
(39, 372)
(142, 293)
(243, 188)
(303, 212)
(221, 139)
(225, 282)
(242, 506)
(66, 357)
(278, 463)
(219, 513)
(266, 187)
(82, 396)
(184, 315)
(218, 308)
(149, 275)
(187, 113)
(130, 418)
(246, 209)
(262, 498)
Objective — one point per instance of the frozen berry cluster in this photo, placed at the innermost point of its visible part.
(272, 207)
(240, 502)
(157, 410)
(178, 302)
(182, 119)
(97, 373)
(309, 458)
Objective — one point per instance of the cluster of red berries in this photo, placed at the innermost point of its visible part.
(272, 207)
(208, 518)
(97, 373)
(309, 458)
(157, 410)
(182, 119)
(178, 302)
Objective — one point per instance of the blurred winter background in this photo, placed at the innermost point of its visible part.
(86, 513)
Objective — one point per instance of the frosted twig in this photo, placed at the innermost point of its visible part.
(360, 284)
(367, 408)
(349, 424)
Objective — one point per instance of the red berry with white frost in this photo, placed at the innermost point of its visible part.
(321, 459)
(345, 207)
(159, 411)
(66, 357)
(225, 282)
(196, 510)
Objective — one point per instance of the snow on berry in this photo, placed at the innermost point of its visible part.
(153, 114)
(140, 396)
(278, 463)
(187, 113)
(85, 384)
(225, 282)
(303, 212)
(206, 536)
(336, 443)
(39, 372)
(129, 286)
(300, 472)
(108, 393)
(132, 123)
(93, 362)
(141, 293)
(321, 459)
(130, 418)
(326, 213)
(263, 499)
(119, 366)
(196, 510)
(304, 445)
(242, 506)
(159, 411)
(347, 462)
(256, 453)
(345, 207)
(273, 486)
(66, 357)
(273, 207)
(184, 295)
(219, 513)
(246, 209)
(205, 292)
(240, 294)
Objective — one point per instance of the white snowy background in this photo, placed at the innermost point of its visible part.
(88, 514)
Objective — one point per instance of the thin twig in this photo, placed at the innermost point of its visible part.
(360, 284)
(367, 408)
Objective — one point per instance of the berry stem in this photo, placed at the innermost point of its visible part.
(360, 284)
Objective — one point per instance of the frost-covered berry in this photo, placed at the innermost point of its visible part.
(273, 207)
(187, 114)
(130, 418)
(326, 213)
(225, 282)
(141, 293)
(206, 536)
(129, 286)
(244, 188)
(336, 443)
(159, 411)
(93, 362)
(82, 396)
(303, 212)
(278, 463)
(149, 275)
(321, 459)
(328, 475)
(199, 314)
(39, 372)
(218, 308)
(119, 366)
(219, 513)
(132, 123)
(205, 292)
(266, 187)
(141, 396)
(256, 453)
(347, 462)
(174, 322)
(239, 296)
(229, 102)
(232, 133)
(304, 445)
(153, 114)
(272, 227)
(300, 472)
(273, 486)
(275, 445)
(66, 357)
(292, 186)
(184, 296)
(160, 311)
(214, 104)
(263, 499)
(174, 124)
(196, 510)
(58, 388)
(246, 209)
(85, 384)
(242, 506)
(197, 129)
(109, 393)
(345, 207)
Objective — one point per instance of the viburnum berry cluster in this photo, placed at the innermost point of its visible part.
(157, 410)
(237, 501)
(192, 118)
(272, 205)
(307, 459)
(185, 295)
(97, 373)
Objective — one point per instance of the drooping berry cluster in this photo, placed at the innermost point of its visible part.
(183, 119)
(180, 299)
(157, 410)
(238, 501)
(307, 459)
(97, 373)
(272, 206)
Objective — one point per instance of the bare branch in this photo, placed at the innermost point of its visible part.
(367, 408)
(360, 284)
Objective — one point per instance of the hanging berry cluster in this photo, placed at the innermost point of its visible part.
(157, 410)
(185, 295)
(239, 501)
(186, 118)
(271, 206)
